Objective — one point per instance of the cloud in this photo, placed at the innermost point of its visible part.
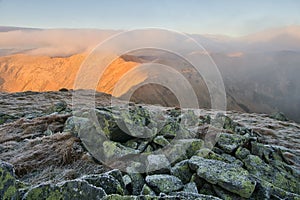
(53, 42)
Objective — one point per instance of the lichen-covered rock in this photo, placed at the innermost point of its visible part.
(57, 107)
(192, 196)
(278, 178)
(190, 146)
(175, 153)
(119, 197)
(230, 177)
(174, 129)
(190, 188)
(182, 171)
(241, 153)
(8, 185)
(158, 164)
(113, 150)
(265, 152)
(230, 142)
(105, 181)
(279, 116)
(110, 127)
(160, 140)
(266, 190)
(73, 124)
(164, 183)
(224, 194)
(117, 174)
(137, 183)
(223, 121)
(75, 189)
(146, 190)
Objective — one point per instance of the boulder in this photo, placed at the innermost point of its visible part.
(158, 164)
(75, 189)
(230, 177)
(164, 183)
(230, 142)
(278, 177)
(182, 171)
(106, 182)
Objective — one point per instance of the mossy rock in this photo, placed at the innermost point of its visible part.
(182, 171)
(279, 178)
(105, 181)
(230, 142)
(230, 177)
(75, 190)
(164, 183)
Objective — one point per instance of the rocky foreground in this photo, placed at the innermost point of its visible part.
(128, 151)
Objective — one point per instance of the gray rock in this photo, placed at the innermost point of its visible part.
(230, 142)
(230, 177)
(158, 164)
(224, 194)
(137, 183)
(175, 154)
(146, 190)
(117, 174)
(164, 183)
(114, 150)
(278, 178)
(160, 140)
(182, 171)
(75, 189)
(241, 153)
(193, 196)
(73, 124)
(279, 116)
(190, 146)
(105, 181)
(190, 188)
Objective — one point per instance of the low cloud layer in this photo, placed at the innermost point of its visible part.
(52, 42)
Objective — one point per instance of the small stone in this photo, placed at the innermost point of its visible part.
(131, 144)
(127, 180)
(160, 140)
(164, 183)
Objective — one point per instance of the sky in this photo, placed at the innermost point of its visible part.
(221, 17)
